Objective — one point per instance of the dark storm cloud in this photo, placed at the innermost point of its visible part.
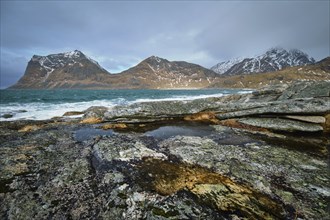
(252, 28)
(121, 34)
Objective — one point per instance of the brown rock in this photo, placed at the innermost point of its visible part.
(326, 125)
(73, 113)
(114, 126)
(29, 128)
(235, 124)
(17, 168)
(92, 120)
(202, 116)
(220, 191)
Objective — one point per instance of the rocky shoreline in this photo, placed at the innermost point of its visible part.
(263, 155)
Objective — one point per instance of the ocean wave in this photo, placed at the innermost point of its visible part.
(178, 98)
(47, 110)
(43, 111)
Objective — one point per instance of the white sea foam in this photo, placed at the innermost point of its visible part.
(42, 111)
(245, 91)
(179, 98)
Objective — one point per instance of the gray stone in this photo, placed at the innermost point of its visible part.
(301, 106)
(123, 149)
(307, 90)
(310, 119)
(46, 173)
(95, 111)
(281, 124)
(159, 110)
(7, 116)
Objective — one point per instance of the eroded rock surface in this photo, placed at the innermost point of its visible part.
(289, 102)
(159, 162)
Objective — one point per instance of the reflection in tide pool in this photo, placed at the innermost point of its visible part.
(184, 130)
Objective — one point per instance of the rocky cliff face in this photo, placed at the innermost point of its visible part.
(273, 60)
(63, 70)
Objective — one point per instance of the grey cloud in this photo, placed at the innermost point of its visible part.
(121, 34)
(252, 28)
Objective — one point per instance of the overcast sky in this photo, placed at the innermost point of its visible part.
(121, 34)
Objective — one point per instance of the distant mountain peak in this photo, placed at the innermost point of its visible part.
(156, 72)
(73, 54)
(277, 49)
(273, 59)
(54, 61)
(224, 66)
(57, 69)
(157, 59)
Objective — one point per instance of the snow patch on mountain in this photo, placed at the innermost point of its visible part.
(223, 67)
(51, 62)
(272, 60)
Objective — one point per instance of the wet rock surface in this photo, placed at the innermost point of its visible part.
(161, 165)
(282, 124)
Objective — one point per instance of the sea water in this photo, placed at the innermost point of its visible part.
(45, 104)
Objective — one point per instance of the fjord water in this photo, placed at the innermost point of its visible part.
(45, 104)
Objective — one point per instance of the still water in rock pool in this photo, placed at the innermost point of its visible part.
(88, 133)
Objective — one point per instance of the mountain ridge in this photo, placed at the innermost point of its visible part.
(274, 59)
(75, 70)
(318, 71)
(60, 70)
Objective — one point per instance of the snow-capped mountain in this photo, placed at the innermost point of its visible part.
(272, 60)
(55, 61)
(76, 70)
(223, 67)
(60, 70)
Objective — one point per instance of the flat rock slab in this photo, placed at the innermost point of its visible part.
(297, 106)
(281, 124)
(311, 119)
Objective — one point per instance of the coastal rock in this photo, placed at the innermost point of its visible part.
(228, 197)
(7, 116)
(123, 149)
(299, 106)
(307, 90)
(310, 119)
(266, 168)
(72, 113)
(275, 101)
(95, 111)
(174, 167)
(211, 188)
(281, 124)
(158, 110)
(91, 120)
(302, 97)
(269, 93)
(327, 123)
(48, 173)
(114, 126)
